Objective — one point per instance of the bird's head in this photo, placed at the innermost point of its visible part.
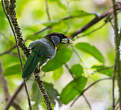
(58, 38)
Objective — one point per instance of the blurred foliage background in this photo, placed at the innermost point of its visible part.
(90, 57)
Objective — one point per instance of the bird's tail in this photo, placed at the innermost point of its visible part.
(30, 64)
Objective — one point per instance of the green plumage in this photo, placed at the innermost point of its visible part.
(31, 64)
(42, 50)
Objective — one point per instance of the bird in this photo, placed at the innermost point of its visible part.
(42, 50)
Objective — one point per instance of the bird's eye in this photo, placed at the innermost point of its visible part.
(65, 40)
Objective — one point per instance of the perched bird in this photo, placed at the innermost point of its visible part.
(43, 50)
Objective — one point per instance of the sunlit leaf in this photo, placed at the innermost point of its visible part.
(9, 60)
(21, 5)
(59, 3)
(13, 70)
(62, 56)
(57, 73)
(73, 89)
(90, 49)
(51, 23)
(103, 69)
(79, 13)
(3, 21)
(76, 70)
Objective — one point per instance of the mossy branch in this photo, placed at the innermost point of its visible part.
(9, 9)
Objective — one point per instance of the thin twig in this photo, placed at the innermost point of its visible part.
(62, 19)
(88, 103)
(22, 45)
(11, 19)
(2, 34)
(11, 15)
(8, 51)
(10, 101)
(100, 69)
(47, 10)
(50, 26)
(27, 93)
(96, 20)
(44, 29)
(86, 100)
(67, 67)
(6, 91)
(20, 41)
(4, 84)
(88, 88)
(94, 30)
(88, 25)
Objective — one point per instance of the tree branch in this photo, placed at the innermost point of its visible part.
(43, 91)
(47, 10)
(10, 101)
(94, 30)
(11, 15)
(96, 20)
(117, 56)
(8, 51)
(88, 88)
(6, 91)
(88, 103)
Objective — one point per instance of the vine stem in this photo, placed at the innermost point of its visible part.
(117, 57)
(20, 42)
(10, 13)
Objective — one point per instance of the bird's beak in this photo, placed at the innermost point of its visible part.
(70, 41)
(66, 41)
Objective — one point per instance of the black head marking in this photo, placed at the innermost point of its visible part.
(56, 38)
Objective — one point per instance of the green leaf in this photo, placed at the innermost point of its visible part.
(21, 4)
(76, 70)
(51, 23)
(73, 89)
(38, 99)
(3, 21)
(90, 49)
(103, 69)
(62, 56)
(8, 60)
(52, 92)
(79, 13)
(59, 3)
(13, 70)
(57, 73)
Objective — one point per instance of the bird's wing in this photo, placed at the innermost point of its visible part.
(45, 46)
(42, 50)
(30, 64)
